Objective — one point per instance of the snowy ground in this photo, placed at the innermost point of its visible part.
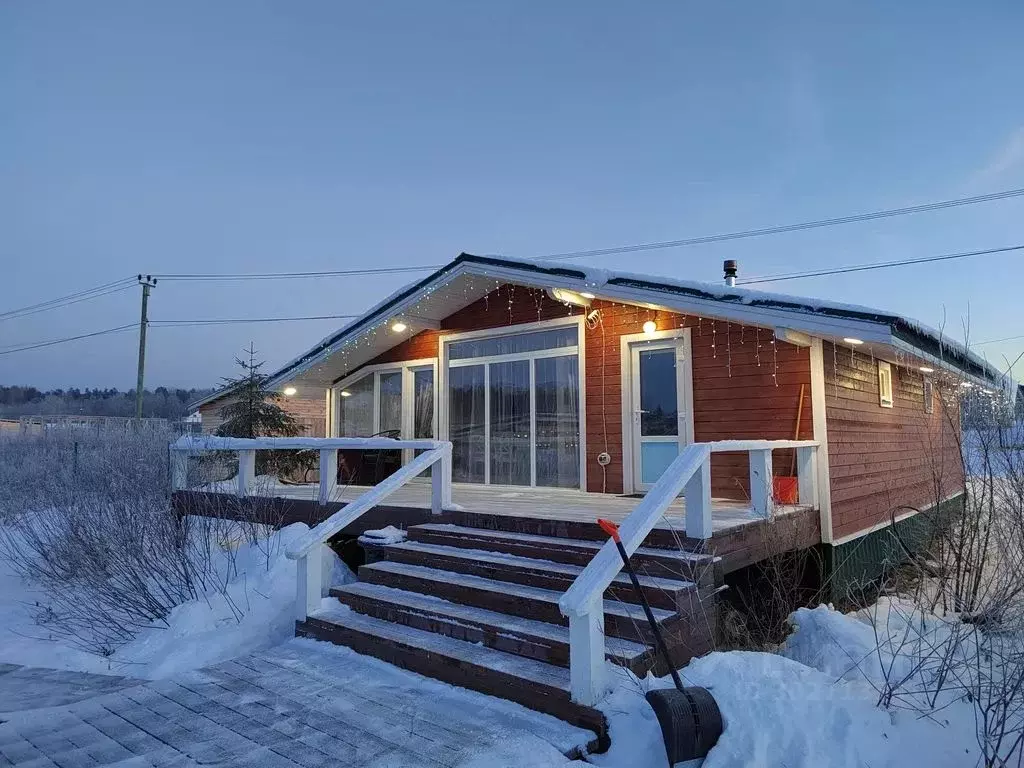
(814, 704)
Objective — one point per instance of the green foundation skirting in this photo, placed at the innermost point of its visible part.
(860, 563)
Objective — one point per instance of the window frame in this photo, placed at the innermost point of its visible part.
(886, 400)
(444, 363)
(408, 369)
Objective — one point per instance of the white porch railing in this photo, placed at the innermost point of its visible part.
(308, 549)
(689, 474)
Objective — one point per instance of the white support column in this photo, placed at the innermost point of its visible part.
(328, 474)
(698, 502)
(761, 481)
(441, 482)
(820, 422)
(586, 656)
(246, 471)
(807, 474)
(179, 470)
(309, 583)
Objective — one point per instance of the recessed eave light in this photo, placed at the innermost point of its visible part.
(854, 342)
(586, 295)
(290, 391)
(926, 369)
(650, 327)
(398, 326)
(345, 393)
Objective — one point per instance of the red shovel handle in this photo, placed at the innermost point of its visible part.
(610, 528)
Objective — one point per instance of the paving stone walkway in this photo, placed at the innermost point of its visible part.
(301, 704)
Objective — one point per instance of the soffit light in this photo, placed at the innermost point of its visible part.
(854, 342)
(926, 369)
(398, 326)
(346, 393)
(650, 327)
(290, 391)
(586, 295)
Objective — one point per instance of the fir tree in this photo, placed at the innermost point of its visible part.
(254, 409)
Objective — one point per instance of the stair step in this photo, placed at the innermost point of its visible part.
(501, 566)
(534, 684)
(624, 620)
(513, 634)
(664, 563)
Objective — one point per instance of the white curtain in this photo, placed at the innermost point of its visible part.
(558, 422)
(466, 403)
(510, 422)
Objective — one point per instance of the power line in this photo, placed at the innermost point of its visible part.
(232, 320)
(878, 265)
(72, 298)
(52, 342)
(749, 233)
(996, 341)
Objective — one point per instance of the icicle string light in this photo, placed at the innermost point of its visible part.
(714, 340)
(775, 360)
(757, 346)
(728, 348)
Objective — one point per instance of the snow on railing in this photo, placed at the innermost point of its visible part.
(689, 474)
(307, 550)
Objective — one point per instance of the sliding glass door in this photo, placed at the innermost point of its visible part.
(513, 408)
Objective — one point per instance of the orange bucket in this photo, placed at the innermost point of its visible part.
(785, 490)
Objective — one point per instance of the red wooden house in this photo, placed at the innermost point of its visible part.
(566, 393)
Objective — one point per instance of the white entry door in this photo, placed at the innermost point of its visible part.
(661, 422)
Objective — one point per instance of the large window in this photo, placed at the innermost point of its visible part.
(513, 408)
(394, 401)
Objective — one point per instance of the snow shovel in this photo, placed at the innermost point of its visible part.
(689, 717)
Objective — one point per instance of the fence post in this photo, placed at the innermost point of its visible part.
(246, 471)
(697, 493)
(328, 474)
(309, 582)
(761, 481)
(806, 472)
(586, 655)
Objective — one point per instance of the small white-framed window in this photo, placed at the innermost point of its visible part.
(394, 399)
(884, 384)
(929, 395)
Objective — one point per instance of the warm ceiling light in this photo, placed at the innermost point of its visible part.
(398, 326)
(650, 327)
(854, 342)
(290, 391)
(346, 393)
(586, 295)
(926, 369)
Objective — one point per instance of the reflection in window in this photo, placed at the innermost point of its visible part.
(514, 343)
(356, 409)
(659, 403)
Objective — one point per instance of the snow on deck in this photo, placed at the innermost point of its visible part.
(541, 503)
(303, 703)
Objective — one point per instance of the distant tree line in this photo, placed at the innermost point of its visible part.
(161, 402)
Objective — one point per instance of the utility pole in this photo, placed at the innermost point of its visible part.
(147, 282)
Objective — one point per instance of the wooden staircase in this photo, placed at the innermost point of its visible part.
(473, 601)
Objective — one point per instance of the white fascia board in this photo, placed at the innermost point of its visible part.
(398, 308)
(939, 364)
(767, 317)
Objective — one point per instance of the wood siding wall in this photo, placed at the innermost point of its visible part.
(882, 459)
(311, 413)
(734, 396)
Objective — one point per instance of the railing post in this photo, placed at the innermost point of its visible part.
(586, 655)
(807, 474)
(308, 582)
(328, 474)
(761, 481)
(697, 493)
(246, 471)
(441, 481)
(179, 470)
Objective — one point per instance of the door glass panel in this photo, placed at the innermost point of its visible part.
(510, 422)
(466, 401)
(659, 404)
(558, 423)
(391, 403)
(356, 408)
(655, 459)
(423, 403)
(517, 343)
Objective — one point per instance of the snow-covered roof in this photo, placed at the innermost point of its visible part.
(816, 317)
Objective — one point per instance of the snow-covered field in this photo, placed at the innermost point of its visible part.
(813, 704)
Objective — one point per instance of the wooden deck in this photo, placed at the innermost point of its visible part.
(739, 536)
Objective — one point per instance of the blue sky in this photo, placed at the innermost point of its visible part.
(252, 136)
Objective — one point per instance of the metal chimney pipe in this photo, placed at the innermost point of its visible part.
(731, 268)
